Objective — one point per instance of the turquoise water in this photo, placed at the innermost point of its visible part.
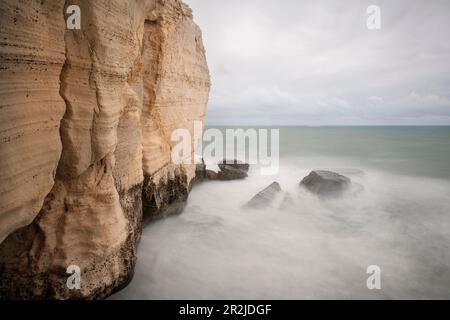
(316, 248)
(417, 151)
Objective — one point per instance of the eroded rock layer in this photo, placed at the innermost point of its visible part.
(86, 118)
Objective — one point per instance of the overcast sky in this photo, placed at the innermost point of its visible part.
(294, 62)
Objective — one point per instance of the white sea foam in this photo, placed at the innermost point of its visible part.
(315, 249)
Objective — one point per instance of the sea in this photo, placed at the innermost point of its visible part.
(390, 239)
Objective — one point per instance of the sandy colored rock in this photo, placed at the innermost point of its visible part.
(86, 118)
(31, 107)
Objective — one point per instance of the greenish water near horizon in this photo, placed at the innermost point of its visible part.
(408, 150)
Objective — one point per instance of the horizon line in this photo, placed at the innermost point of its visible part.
(330, 125)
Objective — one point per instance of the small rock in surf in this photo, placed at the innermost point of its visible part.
(265, 197)
(326, 183)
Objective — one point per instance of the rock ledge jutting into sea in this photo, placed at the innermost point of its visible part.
(232, 170)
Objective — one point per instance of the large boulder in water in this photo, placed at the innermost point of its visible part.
(326, 183)
(231, 173)
(236, 164)
(232, 170)
(265, 197)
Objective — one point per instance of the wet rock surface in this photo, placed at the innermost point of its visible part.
(211, 175)
(231, 173)
(200, 172)
(235, 164)
(231, 170)
(326, 183)
(265, 197)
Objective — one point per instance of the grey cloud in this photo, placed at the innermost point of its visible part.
(315, 62)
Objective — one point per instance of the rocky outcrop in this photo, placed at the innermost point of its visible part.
(228, 170)
(235, 164)
(232, 170)
(231, 173)
(200, 172)
(326, 183)
(165, 192)
(265, 197)
(86, 118)
(211, 175)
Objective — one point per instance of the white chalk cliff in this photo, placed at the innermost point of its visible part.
(85, 123)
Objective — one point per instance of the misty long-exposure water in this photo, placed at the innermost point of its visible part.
(316, 248)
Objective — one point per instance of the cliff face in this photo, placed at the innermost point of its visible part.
(85, 123)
